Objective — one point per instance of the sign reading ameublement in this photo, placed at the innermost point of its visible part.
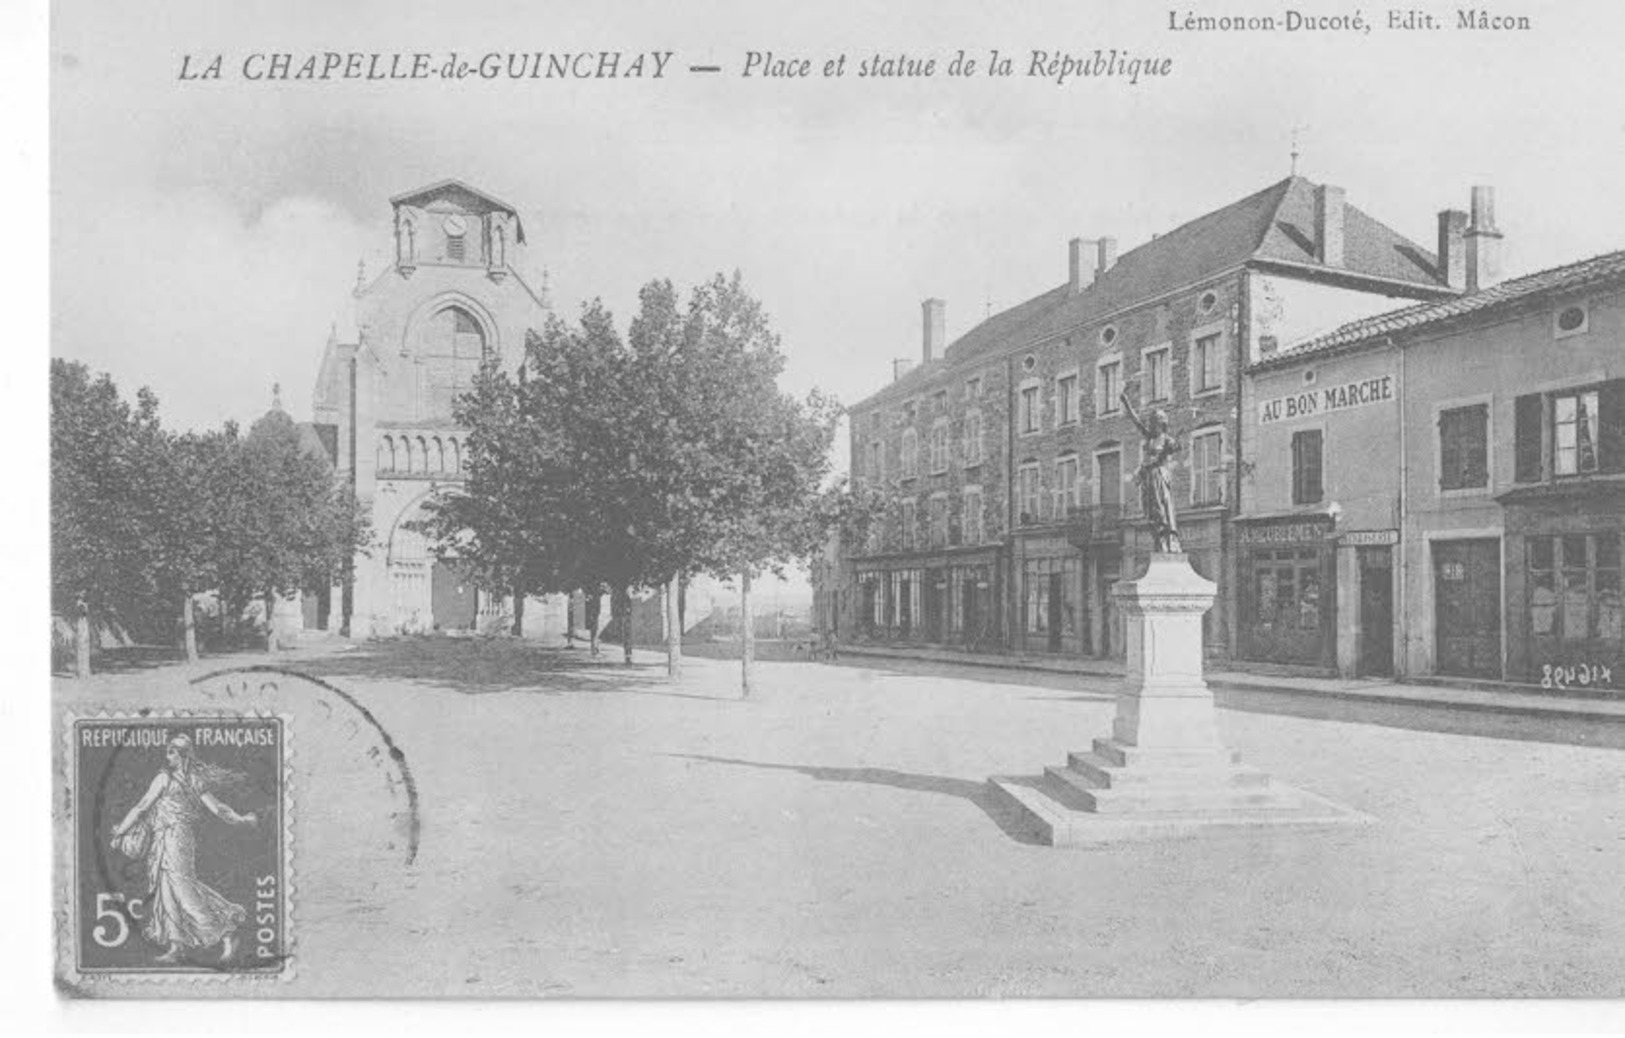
(1343, 397)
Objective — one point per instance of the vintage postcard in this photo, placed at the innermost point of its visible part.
(757, 500)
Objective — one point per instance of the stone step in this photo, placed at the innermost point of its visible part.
(1119, 755)
(1153, 801)
(1089, 771)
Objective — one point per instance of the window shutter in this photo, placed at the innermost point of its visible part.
(1611, 437)
(1527, 415)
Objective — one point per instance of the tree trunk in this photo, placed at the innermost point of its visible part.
(626, 624)
(747, 637)
(674, 629)
(81, 641)
(519, 611)
(189, 626)
(592, 605)
(270, 622)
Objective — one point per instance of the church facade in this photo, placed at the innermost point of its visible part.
(382, 405)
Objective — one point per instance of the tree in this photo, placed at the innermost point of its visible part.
(279, 520)
(103, 502)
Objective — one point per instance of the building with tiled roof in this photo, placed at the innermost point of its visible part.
(1008, 458)
(1440, 488)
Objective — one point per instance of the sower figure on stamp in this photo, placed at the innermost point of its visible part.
(185, 912)
(1156, 482)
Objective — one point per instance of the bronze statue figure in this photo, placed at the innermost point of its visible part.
(1154, 478)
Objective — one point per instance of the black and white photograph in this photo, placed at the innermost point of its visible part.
(764, 501)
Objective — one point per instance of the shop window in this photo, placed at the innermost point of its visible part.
(1575, 596)
(1307, 487)
(1464, 447)
(1207, 467)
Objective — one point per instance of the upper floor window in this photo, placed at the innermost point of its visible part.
(456, 229)
(1027, 492)
(939, 520)
(939, 446)
(1066, 484)
(1157, 385)
(1066, 399)
(939, 402)
(1108, 386)
(1109, 478)
(876, 456)
(1307, 487)
(973, 438)
(909, 519)
(1207, 365)
(1028, 415)
(1571, 432)
(911, 452)
(973, 388)
(971, 518)
(1207, 467)
(1464, 447)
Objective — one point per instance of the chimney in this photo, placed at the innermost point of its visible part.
(1453, 248)
(1105, 255)
(1329, 225)
(931, 341)
(901, 367)
(1074, 254)
(1483, 241)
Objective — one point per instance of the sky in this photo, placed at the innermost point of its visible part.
(206, 233)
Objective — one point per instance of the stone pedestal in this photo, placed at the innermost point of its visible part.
(1164, 770)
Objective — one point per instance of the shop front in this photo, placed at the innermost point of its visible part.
(1565, 604)
(945, 599)
(1049, 589)
(1288, 597)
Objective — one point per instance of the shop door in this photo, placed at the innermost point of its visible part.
(1111, 637)
(935, 614)
(967, 593)
(1467, 598)
(1057, 603)
(1376, 611)
(452, 598)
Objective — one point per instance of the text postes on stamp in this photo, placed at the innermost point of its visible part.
(180, 845)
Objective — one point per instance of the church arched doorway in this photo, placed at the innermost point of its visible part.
(428, 593)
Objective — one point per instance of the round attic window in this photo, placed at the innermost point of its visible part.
(1208, 301)
(1108, 335)
(1571, 319)
(1029, 362)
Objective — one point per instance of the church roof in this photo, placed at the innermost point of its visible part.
(452, 185)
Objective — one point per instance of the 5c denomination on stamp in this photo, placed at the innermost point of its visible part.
(180, 859)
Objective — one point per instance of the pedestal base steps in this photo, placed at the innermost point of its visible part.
(1118, 791)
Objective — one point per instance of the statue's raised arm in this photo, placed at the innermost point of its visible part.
(1133, 415)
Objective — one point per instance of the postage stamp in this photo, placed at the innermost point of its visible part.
(180, 863)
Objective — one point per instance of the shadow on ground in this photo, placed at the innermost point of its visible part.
(479, 666)
(913, 782)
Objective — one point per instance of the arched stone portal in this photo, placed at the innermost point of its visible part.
(426, 593)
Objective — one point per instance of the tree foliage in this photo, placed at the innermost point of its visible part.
(142, 518)
(609, 462)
